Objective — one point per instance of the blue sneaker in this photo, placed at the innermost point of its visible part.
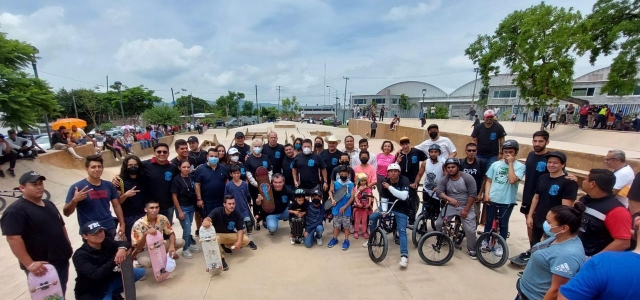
(332, 242)
(345, 245)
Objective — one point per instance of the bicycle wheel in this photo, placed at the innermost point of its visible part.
(458, 232)
(419, 229)
(3, 203)
(46, 195)
(435, 248)
(496, 252)
(378, 245)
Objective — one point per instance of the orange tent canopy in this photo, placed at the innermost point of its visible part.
(68, 122)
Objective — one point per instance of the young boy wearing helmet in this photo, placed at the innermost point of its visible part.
(434, 170)
(395, 188)
(501, 188)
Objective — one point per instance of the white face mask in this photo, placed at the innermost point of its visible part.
(235, 158)
(306, 150)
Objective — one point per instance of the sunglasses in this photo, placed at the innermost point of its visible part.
(472, 150)
(162, 152)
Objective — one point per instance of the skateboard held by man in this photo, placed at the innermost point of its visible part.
(158, 256)
(128, 279)
(45, 287)
(211, 250)
(264, 187)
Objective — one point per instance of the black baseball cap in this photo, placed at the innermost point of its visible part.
(31, 177)
(192, 139)
(432, 126)
(239, 134)
(316, 192)
(558, 154)
(91, 227)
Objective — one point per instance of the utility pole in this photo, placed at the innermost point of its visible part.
(193, 116)
(257, 107)
(35, 73)
(337, 103)
(344, 107)
(475, 82)
(278, 88)
(173, 97)
(74, 105)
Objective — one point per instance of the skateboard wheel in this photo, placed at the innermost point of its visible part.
(32, 290)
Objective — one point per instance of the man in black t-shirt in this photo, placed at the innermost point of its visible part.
(331, 158)
(552, 189)
(477, 168)
(243, 148)
(489, 137)
(195, 152)
(158, 174)
(229, 227)
(36, 232)
(255, 160)
(282, 196)
(307, 167)
(287, 166)
(182, 149)
(412, 166)
(274, 151)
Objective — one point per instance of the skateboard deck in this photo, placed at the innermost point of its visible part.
(264, 187)
(518, 262)
(211, 250)
(128, 280)
(337, 195)
(298, 230)
(158, 256)
(46, 287)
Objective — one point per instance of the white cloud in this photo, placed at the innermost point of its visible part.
(399, 13)
(221, 80)
(459, 62)
(156, 55)
(270, 48)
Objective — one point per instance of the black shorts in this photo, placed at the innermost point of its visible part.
(524, 208)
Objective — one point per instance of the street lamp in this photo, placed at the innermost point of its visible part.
(118, 85)
(35, 73)
(193, 115)
(424, 92)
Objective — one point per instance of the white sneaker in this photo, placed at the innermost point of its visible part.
(293, 242)
(484, 247)
(187, 254)
(194, 248)
(365, 244)
(498, 250)
(404, 262)
(143, 278)
(116, 159)
(136, 264)
(319, 242)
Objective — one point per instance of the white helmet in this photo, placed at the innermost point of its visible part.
(393, 166)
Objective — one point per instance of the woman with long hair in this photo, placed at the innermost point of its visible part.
(318, 145)
(383, 160)
(297, 145)
(132, 189)
(183, 193)
(222, 154)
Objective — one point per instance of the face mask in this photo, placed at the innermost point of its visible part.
(132, 170)
(343, 178)
(433, 135)
(257, 150)
(298, 147)
(306, 151)
(344, 163)
(364, 160)
(547, 229)
(235, 158)
(316, 201)
(318, 145)
(213, 160)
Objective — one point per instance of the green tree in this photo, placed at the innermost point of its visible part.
(183, 105)
(228, 105)
(23, 99)
(483, 97)
(162, 114)
(614, 26)
(269, 112)
(404, 103)
(247, 109)
(290, 107)
(535, 44)
(442, 112)
(91, 104)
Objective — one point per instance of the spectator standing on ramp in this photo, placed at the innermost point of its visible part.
(489, 138)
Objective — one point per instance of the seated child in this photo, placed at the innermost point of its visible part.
(297, 209)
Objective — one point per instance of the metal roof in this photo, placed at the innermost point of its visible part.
(413, 89)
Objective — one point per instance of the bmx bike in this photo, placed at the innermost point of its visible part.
(16, 193)
(495, 252)
(436, 248)
(378, 244)
(427, 215)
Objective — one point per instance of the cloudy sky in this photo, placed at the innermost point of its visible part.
(210, 47)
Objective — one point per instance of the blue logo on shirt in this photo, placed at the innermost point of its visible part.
(277, 154)
(264, 164)
(168, 176)
(493, 136)
(242, 171)
(231, 226)
(541, 166)
(285, 199)
(291, 165)
(311, 163)
(414, 159)
(334, 161)
(553, 191)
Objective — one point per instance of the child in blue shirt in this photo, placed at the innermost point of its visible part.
(341, 208)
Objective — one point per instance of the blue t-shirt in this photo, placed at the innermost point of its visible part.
(563, 259)
(212, 182)
(608, 275)
(97, 205)
(240, 194)
(502, 192)
(341, 202)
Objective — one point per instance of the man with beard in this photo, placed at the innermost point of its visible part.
(275, 152)
(287, 166)
(256, 160)
(243, 148)
(447, 147)
(182, 149)
(200, 156)
(281, 196)
(331, 158)
(412, 165)
(307, 167)
(489, 138)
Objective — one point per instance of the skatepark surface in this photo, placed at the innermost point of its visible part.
(278, 270)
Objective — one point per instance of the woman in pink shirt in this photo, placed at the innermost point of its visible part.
(366, 168)
(383, 160)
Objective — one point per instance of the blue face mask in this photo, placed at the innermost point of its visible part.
(257, 150)
(547, 229)
(213, 160)
(298, 147)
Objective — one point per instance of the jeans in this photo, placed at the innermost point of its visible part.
(81, 141)
(504, 213)
(524, 117)
(489, 160)
(115, 286)
(272, 220)
(168, 212)
(143, 144)
(313, 234)
(401, 222)
(188, 212)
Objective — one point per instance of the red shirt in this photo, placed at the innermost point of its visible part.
(147, 135)
(618, 222)
(139, 137)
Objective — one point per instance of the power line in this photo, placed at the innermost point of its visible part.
(94, 84)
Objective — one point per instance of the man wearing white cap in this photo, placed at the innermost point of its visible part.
(489, 139)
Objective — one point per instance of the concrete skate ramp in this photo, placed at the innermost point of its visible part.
(580, 156)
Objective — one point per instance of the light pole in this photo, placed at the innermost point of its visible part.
(118, 85)
(336, 112)
(475, 82)
(35, 73)
(424, 92)
(193, 115)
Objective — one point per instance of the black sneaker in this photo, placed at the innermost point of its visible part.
(257, 226)
(12, 173)
(197, 232)
(524, 256)
(193, 240)
(226, 250)
(253, 246)
(2, 174)
(225, 267)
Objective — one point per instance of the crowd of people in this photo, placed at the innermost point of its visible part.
(218, 187)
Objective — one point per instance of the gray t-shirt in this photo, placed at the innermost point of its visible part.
(374, 125)
(460, 189)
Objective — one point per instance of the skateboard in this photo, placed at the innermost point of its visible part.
(264, 187)
(46, 287)
(158, 256)
(518, 262)
(337, 195)
(298, 230)
(211, 250)
(128, 280)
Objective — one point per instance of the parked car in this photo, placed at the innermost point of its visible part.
(220, 123)
(43, 141)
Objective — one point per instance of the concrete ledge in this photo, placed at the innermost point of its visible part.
(63, 159)
(578, 158)
(285, 126)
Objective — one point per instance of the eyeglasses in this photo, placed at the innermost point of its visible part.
(471, 150)
(162, 152)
